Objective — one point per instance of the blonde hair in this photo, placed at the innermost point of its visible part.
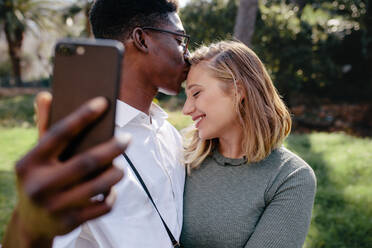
(262, 114)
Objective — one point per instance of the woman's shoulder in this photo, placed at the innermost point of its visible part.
(286, 159)
(285, 164)
(287, 173)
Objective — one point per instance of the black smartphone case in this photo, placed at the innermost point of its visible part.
(84, 69)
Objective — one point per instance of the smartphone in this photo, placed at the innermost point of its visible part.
(84, 69)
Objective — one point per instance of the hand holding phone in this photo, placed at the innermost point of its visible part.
(54, 197)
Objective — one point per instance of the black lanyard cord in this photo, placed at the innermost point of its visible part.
(174, 241)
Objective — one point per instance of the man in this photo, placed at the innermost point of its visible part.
(155, 59)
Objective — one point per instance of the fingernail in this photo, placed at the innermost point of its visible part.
(44, 96)
(110, 199)
(99, 103)
(123, 139)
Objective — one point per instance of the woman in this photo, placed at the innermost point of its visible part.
(244, 189)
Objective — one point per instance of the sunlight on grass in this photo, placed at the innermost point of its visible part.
(14, 142)
(343, 166)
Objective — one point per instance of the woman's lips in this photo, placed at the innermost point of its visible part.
(198, 120)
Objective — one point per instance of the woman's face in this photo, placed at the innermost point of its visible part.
(211, 108)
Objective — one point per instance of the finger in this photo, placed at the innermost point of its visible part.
(79, 167)
(79, 195)
(102, 197)
(98, 209)
(75, 218)
(60, 134)
(42, 108)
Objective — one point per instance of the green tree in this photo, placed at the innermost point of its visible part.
(77, 7)
(18, 16)
(313, 49)
(209, 20)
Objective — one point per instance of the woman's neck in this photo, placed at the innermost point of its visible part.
(230, 145)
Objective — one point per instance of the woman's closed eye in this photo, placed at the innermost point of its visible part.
(196, 94)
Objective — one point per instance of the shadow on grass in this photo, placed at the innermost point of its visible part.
(337, 221)
(7, 198)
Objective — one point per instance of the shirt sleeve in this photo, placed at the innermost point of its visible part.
(78, 238)
(68, 240)
(286, 218)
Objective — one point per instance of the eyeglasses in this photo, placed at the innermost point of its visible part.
(184, 40)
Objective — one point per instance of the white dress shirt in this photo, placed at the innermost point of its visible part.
(155, 151)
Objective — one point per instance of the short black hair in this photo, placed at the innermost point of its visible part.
(116, 19)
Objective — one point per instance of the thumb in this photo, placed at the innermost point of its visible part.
(42, 105)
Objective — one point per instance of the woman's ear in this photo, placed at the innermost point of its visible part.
(139, 38)
(240, 89)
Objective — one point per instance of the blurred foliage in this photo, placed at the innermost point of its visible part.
(5, 73)
(311, 48)
(71, 13)
(17, 111)
(19, 16)
(208, 20)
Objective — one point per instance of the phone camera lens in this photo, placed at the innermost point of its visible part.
(80, 50)
(66, 50)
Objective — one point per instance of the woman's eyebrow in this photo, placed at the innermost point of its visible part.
(191, 86)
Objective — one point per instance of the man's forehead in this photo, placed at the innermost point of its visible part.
(175, 22)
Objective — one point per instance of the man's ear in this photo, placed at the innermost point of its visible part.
(139, 39)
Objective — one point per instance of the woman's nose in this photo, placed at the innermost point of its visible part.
(187, 107)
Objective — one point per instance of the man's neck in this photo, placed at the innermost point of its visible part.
(136, 91)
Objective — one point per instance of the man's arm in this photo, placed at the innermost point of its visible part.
(54, 197)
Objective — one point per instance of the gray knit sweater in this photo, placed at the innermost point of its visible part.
(229, 203)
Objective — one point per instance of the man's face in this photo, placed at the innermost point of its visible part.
(168, 56)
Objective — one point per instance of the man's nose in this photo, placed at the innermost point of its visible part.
(187, 56)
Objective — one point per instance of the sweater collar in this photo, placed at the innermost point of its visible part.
(224, 161)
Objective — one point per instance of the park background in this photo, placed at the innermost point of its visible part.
(318, 53)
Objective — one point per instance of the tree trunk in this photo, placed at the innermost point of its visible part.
(14, 37)
(368, 24)
(245, 21)
(88, 29)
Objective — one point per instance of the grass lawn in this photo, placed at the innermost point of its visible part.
(13, 143)
(342, 215)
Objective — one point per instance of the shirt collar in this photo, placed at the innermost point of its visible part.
(126, 113)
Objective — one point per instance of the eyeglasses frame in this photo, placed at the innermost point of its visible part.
(185, 46)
